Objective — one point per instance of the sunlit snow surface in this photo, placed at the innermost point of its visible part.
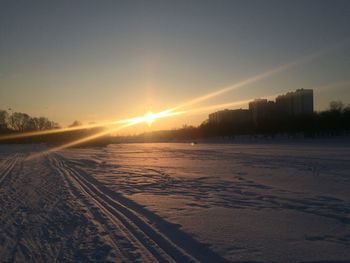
(247, 202)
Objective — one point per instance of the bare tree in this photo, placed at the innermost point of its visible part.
(75, 124)
(4, 118)
(42, 123)
(337, 106)
(54, 125)
(19, 121)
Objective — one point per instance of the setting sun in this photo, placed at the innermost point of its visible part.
(149, 118)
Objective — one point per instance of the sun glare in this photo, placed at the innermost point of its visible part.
(149, 118)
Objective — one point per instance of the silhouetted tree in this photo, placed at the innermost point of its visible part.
(4, 118)
(19, 121)
(42, 123)
(75, 124)
(337, 106)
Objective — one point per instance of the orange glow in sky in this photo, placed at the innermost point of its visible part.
(149, 117)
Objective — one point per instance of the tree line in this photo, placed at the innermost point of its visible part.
(19, 122)
(331, 122)
(22, 122)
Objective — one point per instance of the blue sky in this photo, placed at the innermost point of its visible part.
(99, 60)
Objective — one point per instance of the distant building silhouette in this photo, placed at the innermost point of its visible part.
(299, 102)
(226, 116)
(261, 108)
(296, 103)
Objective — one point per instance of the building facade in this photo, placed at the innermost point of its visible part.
(295, 103)
(299, 102)
(261, 108)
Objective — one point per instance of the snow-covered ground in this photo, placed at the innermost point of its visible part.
(182, 202)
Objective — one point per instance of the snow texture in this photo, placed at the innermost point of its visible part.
(176, 203)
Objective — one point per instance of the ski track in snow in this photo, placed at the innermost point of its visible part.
(52, 211)
(78, 205)
(189, 185)
(135, 229)
(7, 166)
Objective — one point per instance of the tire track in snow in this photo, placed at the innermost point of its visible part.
(138, 229)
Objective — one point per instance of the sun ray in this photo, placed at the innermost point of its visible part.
(150, 117)
(61, 130)
(194, 101)
(82, 127)
(131, 122)
(264, 75)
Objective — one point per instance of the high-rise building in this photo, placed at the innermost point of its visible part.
(260, 108)
(296, 103)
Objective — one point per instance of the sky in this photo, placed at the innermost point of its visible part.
(105, 60)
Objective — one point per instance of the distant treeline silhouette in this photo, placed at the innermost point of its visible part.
(331, 122)
(21, 123)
